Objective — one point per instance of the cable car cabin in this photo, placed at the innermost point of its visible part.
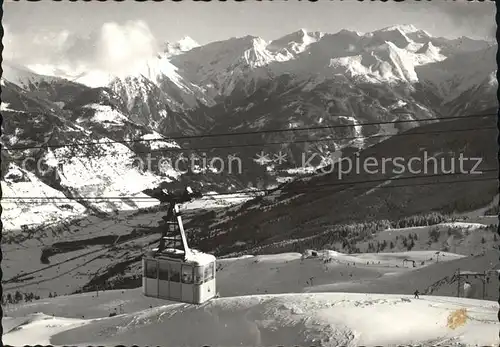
(173, 271)
(173, 276)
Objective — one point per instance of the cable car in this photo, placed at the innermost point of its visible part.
(173, 271)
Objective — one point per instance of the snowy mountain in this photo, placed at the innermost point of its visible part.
(385, 55)
(344, 78)
(187, 75)
(156, 81)
(181, 46)
(221, 69)
(160, 76)
(333, 82)
(311, 79)
(294, 43)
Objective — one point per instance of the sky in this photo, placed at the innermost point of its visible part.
(46, 31)
(205, 22)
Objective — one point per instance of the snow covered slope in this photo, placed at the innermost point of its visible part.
(160, 77)
(45, 86)
(104, 169)
(23, 77)
(461, 72)
(16, 213)
(46, 140)
(326, 319)
(303, 208)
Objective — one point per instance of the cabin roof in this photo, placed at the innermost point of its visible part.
(194, 257)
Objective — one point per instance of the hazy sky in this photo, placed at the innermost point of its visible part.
(111, 35)
(205, 22)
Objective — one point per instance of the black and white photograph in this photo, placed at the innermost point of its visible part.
(250, 173)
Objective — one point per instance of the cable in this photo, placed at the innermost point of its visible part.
(167, 150)
(308, 191)
(320, 140)
(110, 246)
(352, 188)
(138, 198)
(248, 132)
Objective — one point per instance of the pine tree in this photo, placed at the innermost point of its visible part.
(18, 296)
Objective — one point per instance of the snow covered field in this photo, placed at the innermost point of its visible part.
(321, 319)
(212, 200)
(287, 312)
(70, 270)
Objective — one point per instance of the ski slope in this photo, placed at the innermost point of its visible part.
(321, 319)
(289, 316)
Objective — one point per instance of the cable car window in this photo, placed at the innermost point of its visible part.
(163, 271)
(151, 269)
(187, 274)
(209, 272)
(175, 272)
(198, 275)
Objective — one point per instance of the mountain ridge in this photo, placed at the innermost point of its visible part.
(303, 79)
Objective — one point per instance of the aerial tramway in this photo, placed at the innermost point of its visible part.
(173, 271)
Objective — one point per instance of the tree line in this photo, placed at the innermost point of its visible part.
(18, 297)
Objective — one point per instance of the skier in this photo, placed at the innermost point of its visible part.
(416, 294)
(467, 289)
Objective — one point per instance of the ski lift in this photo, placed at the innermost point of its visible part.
(173, 271)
